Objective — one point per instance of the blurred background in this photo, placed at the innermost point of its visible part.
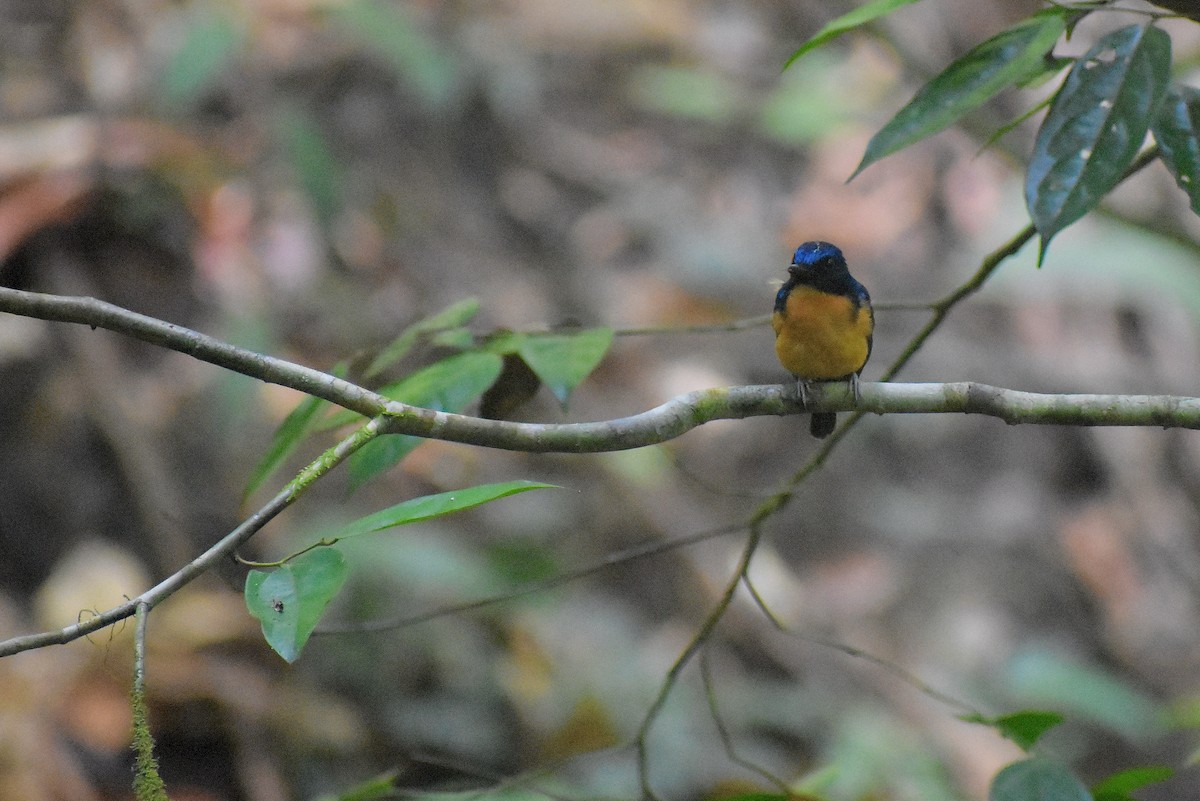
(307, 178)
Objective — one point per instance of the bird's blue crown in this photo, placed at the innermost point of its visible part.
(812, 253)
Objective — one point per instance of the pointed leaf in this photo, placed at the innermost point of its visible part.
(1023, 728)
(1095, 126)
(1008, 58)
(1119, 786)
(562, 361)
(290, 599)
(1175, 129)
(431, 506)
(452, 317)
(1037, 780)
(447, 386)
(288, 436)
(847, 22)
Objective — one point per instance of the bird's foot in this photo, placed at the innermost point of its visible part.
(854, 387)
(802, 392)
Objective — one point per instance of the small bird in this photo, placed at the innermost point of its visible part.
(823, 324)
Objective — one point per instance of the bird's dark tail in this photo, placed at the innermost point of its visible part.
(822, 424)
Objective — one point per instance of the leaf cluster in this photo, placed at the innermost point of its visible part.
(289, 599)
(1097, 119)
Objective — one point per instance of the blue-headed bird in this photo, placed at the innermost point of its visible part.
(823, 324)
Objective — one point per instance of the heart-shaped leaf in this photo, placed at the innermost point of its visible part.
(290, 599)
(562, 361)
(1023, 728)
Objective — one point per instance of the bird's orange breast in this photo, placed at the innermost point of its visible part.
(820, 336)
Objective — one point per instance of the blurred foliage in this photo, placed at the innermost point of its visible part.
(345, 168)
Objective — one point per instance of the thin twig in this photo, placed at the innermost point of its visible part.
(177, 580)
(849, 650)
(702, 636)
(714, 711)
(612, 560)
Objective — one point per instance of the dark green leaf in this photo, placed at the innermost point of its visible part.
(290, 599)
(1095, 126)
(1008, 58)
(1023, 728)
(446, 386)
(1037, 780)
(1175, 129)
(1119, 786)
(1052, 66)
(452, 317)
(847, 22)
(209, 47)
(561, 361)
(431, 506)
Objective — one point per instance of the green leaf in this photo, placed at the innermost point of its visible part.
(847, 22)
(209, 47)
(452, 317)
(562, 361)
(449, 385)
(1006, 59)
(430, 506)
(1023, 728)
(316, 167)
(290, 599)
(1119, 786)
(1037, 780)
(1175, 130)
(287, 438)
(291, 432)
(1095, 126)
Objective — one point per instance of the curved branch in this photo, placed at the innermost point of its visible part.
(672, 419)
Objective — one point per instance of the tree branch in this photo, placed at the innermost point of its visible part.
(173, 583)
(665, 422)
